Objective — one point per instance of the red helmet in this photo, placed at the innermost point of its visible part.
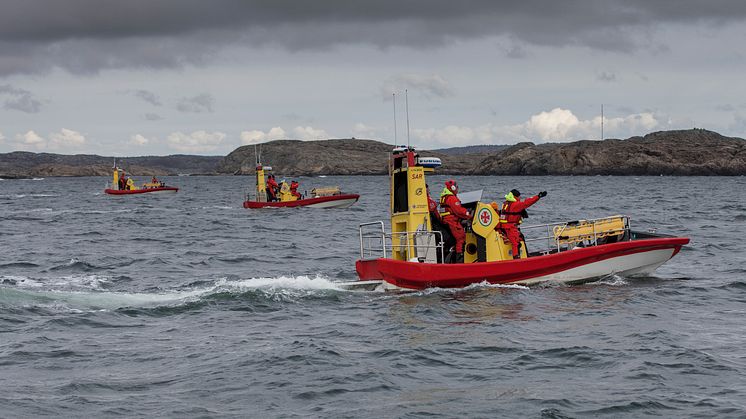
(452, 186)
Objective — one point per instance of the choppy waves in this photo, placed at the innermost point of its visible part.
(192, 306)
(90, 292)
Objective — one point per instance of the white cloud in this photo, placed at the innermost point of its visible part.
(63, 141)
(427, 86)
(138, 140)
(66, 138)
(361, 130)
(196, 142)
(277, 133)
(557, 125)
(30, 141)
(310, 133)
(257, 136)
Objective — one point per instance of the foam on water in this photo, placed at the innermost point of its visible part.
(613, 280)
(31, 195)
(301, 282)
(92, 301)
(81, 292)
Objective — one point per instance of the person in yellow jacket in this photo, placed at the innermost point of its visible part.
(130, 184)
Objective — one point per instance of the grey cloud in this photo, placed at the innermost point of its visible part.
(515, 51)
(85, 36)
(147, 96)
(197, 104)
(427, 86)
(153, 117)
(606, 76)
(19, 99)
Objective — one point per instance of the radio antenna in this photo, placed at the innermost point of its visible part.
(406, 104)
(393, 96)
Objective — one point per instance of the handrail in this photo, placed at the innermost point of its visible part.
(554, 239)
(382, 238)
(416, 246)
(386, 240)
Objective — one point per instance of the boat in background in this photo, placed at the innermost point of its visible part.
(413, 255)
(287, 196)
(122, 184)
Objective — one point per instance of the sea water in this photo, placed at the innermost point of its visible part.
(189, 305)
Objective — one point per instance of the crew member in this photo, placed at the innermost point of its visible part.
(294, 189)
(511, 216)
(130, 184)
(432, 206)
(453, 215)
(122, 181)
(272, 187)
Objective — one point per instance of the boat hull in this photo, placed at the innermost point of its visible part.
(334, 201)
(630, 258)
(165, 189)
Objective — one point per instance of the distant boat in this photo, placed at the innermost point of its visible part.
(287, 196)
(129, 188)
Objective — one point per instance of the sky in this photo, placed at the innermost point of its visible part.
(158, 77)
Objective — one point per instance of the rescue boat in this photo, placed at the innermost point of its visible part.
(153, 187)
(412, 255)
(287, 197)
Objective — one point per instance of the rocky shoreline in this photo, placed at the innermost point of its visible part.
(695, 152)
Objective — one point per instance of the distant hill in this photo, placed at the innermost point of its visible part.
(473, 149)
(26, 164)
(331, 157)
(684, 152)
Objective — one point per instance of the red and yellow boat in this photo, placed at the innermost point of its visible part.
(288, 197)
(122, 184)
(411, 256)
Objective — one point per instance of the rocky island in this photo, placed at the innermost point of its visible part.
(681, 153)
(22, 164)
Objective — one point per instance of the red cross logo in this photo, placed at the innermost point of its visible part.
(485, 218)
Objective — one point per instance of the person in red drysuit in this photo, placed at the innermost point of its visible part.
(511, 216)
(432, 206)
(294, 189)
(272, 188)
(453, 215)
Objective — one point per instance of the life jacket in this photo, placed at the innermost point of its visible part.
(511, 217)
(452, 205)
(443, 195)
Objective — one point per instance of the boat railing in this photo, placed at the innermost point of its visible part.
(372, 241)
(423, 242)
(579, 232)
(375, 242)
